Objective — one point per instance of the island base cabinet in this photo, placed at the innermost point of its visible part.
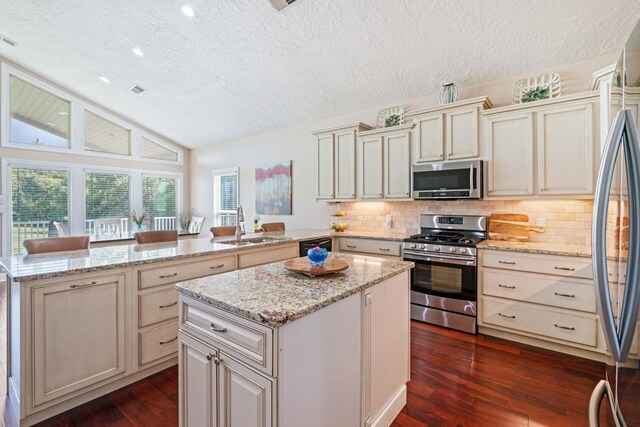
(197, 383)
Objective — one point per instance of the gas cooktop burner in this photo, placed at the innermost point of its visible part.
(446, 238)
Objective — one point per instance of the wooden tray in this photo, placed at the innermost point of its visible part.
(303, 266)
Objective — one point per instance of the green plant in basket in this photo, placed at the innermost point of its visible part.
(535, 94)
(392, 120)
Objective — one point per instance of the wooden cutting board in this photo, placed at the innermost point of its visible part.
(512, 227)
(303, 266)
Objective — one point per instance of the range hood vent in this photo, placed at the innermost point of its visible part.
(281, 4)
(137, 89)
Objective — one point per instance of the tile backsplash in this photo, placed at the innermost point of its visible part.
(567, 221)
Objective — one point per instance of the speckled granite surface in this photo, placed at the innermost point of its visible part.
(274, 296)
(32, 267)
(373, 235)
(537, 248)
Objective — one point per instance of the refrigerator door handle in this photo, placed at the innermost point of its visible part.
(599, 234)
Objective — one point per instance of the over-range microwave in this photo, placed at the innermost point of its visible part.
(447, 180)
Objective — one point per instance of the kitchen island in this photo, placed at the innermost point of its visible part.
(268, 347)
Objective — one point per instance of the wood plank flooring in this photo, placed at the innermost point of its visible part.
(456, 380)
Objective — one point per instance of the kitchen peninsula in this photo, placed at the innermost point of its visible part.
(84, 323)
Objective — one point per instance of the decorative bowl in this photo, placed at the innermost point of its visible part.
(317, 256)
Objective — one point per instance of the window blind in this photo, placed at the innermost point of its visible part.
(159, 199)
(39, 197)
(225, 196)
(107, 195)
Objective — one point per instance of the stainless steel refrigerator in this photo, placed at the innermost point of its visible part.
(615, 400)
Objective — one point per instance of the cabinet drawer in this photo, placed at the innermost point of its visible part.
(157, 343)
(540, 321)
(248, 341)
(266, 256)
(185, 271)
(546, 264)
(377, 247)
(157, 306)
(541, 289)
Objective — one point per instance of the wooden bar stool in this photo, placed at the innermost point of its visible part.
(156, 236)
(223, 231)
(273, 226)
(56, 244)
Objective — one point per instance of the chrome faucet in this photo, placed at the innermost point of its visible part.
(239, 221)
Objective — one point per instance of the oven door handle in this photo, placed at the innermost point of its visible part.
(470, 261)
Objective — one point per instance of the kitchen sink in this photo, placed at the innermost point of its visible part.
(250, 241)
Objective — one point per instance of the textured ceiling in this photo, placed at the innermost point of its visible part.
(240, 68)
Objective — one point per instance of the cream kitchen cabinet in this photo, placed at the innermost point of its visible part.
(384, 163)
(448, 132)
(335, 153)
(545, 148)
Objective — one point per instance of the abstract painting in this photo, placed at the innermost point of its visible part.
(273, 188)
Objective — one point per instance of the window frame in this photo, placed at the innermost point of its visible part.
(214, 199)
(85, 171)
(77, 123)
(144, 135)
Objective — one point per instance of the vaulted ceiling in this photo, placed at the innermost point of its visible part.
(240, 68)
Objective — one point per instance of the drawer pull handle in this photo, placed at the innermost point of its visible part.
(352, 246)
(168, 305)
(215, 267)
(568, 328)
(565, 268)
(506, 286)
(508, 316)
(565, 295)
(215, 358)
(507, 262)
(168, 341)
(164, 276)
(82, 285)
(384, 249)
(214, 328)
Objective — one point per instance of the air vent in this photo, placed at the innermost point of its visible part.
(137, 89)
(8, 41)
(281, 4)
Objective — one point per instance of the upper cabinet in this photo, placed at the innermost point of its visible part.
(544, 148)
(448, 132)
(335, 153)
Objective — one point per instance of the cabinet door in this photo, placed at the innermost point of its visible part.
(511, 163)
(78, 335)
(197, 383)
(324, 167)
(345, 178)
(397, 166)
(462, 133)
(429, 144)
(245, 396)
(370, 167)
(565, 150)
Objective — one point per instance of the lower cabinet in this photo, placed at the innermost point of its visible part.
(386, 248)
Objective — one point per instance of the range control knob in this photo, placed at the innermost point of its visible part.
(452, 249)
(412, 246)
(422, 246)
(436, 248)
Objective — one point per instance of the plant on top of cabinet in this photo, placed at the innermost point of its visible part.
(389, 117)
(335, 161)
(448, 132)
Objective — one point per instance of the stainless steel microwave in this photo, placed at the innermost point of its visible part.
(451, 180)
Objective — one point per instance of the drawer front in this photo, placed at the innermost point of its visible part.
(541, 289)
(376, 247)
(248, 341)
(546, 264)
(266, 256)
(157, 343)
(157, 306)
(547, 323)
(185, 271)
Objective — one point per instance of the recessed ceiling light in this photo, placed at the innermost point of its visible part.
(105, 80)
(188, 11)
(137, 52)
(63, 113)
(51, 124)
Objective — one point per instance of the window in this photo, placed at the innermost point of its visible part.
(225, 196)
(103, 136)
(39, 202)
(37, 116)
(153, 150)
(159, 200)
(107, 196)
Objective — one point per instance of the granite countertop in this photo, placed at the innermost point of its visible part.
(272, 295)
(373, 235)
(33, 267)
(537, 248)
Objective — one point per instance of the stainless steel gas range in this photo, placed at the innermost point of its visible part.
(444, 283)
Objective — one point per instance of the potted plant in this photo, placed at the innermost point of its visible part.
(185, 219)
(138, 220)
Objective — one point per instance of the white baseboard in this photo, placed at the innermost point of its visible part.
(391, 411)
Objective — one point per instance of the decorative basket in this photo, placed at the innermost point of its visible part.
(389, 117)
(545, 86)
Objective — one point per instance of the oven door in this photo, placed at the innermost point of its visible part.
(447, 276)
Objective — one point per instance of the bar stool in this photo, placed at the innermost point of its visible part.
(223, 231)
(156, 236)
(273, 226)
(56, 244)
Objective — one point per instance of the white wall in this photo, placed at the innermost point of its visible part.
(296, 143)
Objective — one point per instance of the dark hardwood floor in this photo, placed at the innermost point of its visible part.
(456, 380)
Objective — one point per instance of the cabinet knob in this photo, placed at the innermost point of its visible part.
(449, 154)
(380, 194)
(491, 190)
(216, 359)
(542, 189)
(210, 356)
(440, 155)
